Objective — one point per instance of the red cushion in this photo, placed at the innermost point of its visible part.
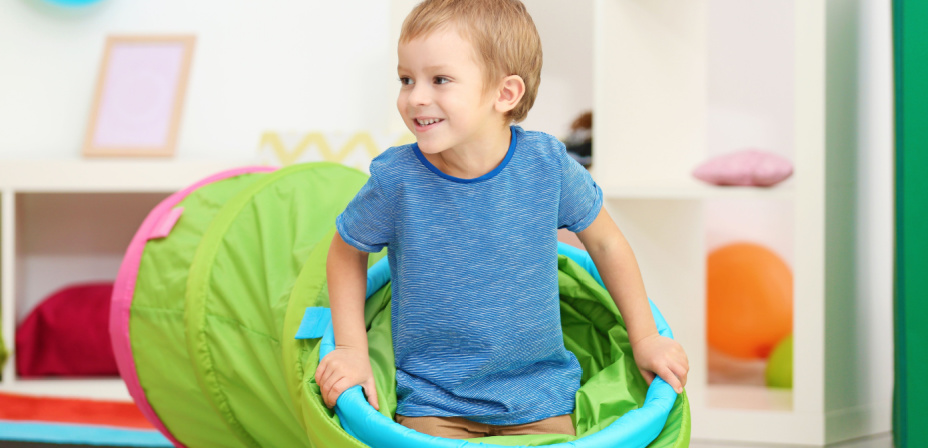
(68, 334)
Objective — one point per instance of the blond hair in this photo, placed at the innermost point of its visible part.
(502, 33)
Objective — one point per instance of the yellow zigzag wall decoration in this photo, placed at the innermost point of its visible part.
(273, 147)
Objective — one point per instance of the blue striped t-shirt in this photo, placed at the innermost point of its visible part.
(476, 315)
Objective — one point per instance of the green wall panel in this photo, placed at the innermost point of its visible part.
(910, 36)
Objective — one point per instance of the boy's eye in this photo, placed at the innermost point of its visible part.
(441, 80)
(406, 81)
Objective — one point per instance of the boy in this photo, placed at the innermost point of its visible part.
(470, 214)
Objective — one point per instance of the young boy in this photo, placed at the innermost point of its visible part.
(470, 215)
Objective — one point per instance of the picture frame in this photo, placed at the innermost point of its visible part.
(139, 96)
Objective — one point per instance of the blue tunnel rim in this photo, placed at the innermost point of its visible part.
(637, 428)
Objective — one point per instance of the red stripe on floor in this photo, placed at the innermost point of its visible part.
(61, 410)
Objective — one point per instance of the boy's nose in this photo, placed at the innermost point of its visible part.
(419, 96)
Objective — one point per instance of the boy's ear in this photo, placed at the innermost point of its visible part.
(510, 92)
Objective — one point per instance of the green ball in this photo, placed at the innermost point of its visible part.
(780, 365)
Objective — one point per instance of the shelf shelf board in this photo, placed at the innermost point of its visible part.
(755, 398)
(100, 176)
(88, 388)
(694, 191)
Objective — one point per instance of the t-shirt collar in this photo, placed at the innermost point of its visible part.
(490, 175)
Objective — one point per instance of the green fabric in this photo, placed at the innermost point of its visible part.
(217, 304)
(156, 327)
(593, 331)
(302, 356)
(3, 352)
(910, 407)
(239, 290)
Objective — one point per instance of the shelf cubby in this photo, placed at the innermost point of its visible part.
(68, 222)
(678, 82)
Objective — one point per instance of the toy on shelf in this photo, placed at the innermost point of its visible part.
(66, 334)
(749, 168)
(779, 371)
(750, 300)
(355, 149)
(579, 142)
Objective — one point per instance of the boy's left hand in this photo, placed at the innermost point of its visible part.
(656, 354)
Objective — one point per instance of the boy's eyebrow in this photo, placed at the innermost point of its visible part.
(431, 68)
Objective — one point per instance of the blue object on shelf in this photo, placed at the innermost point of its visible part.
(73, 2)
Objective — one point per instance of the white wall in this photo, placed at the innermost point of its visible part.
(750, 106)
(285, 65)
(875, 196)
(566, 90)
(289, 65)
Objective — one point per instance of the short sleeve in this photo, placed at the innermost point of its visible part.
(367, 222)
(581, 198)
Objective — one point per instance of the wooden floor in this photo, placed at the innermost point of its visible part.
(881, 441)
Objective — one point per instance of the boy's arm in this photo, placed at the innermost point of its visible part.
(619, 270)
(349, 364)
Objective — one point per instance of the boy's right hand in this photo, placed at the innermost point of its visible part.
(342, 369)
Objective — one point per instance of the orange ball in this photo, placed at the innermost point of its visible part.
(749, 299)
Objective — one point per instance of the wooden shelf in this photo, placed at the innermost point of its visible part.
(91, 388)
(755, 398)
(68, 221)
(684, 191)
(124, 176)
(677, 82)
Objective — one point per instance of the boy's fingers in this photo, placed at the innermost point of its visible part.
(324, 391)
(327, 374)
(648, 375)
(680, 372)
(671, 379)
(328, 388)
(685, 362)
(370, 388)
(336, 391)
(320, 370)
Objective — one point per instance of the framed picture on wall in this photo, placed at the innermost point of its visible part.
(139, 96)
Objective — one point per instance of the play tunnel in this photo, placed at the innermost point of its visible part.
(220, 316)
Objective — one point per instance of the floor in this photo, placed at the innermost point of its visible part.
(881, 441)
(870, 442)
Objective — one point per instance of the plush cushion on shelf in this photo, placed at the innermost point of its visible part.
(68, 334)
(749, 167)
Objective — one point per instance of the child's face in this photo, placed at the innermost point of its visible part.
(442, 97)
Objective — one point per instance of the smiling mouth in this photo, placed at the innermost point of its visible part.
(427, 122)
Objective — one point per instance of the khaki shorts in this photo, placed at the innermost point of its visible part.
(462, 428)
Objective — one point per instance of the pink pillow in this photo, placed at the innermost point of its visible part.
(748, 167)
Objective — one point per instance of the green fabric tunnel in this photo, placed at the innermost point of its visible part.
(215, 284)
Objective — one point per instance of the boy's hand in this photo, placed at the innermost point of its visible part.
(342, 369)
(656, 354)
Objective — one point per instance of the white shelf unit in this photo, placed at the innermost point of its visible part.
(64, 222)
(652, 68)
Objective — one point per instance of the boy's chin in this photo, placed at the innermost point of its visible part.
(430, 149)
(426, 146)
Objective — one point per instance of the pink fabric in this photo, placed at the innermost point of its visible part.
(166, 223)
(124, 291)
(749, 167)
